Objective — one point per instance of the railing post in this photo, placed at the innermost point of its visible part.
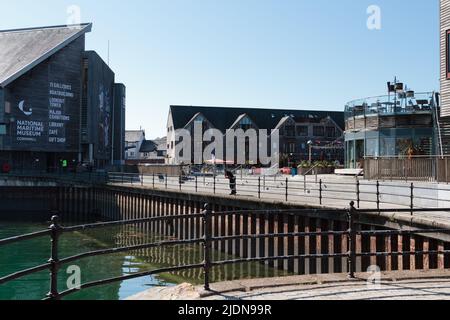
(142, 179)
(180, 182)
(320, 192)
(196, 184)
(166, 180)
(153, 181)
(412, 199)
(54, 259)
(378, 195)
(214, 184)
(207, 227)
(358, 192)
(259, 188)
(352, 241)
(304, 183)
(287, 189)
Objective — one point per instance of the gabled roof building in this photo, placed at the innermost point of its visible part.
(58, 102)
(298, 129)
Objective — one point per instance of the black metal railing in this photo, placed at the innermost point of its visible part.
(349, 254)
(370, 194)
(60, 176)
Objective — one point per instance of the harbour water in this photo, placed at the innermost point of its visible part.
(34, 252)
(31, 253)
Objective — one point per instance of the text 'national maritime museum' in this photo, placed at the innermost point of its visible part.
(59, 104)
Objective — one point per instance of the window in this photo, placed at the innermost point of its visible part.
(331, 132)
(7, 107)
(290, 131)
(302, 131)
(2, 129)
(319, 131)
(292, 147)
(447, 58)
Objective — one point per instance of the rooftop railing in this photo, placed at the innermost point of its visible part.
(394, 104)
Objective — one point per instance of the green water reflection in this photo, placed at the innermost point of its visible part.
(34, 252)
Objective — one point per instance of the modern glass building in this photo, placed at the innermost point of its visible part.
(402, 124)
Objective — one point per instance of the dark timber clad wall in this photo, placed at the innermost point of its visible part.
(64, 67)
(99, 105)
(2, 107)
(2, 117)
(445, 84)
(119, 121)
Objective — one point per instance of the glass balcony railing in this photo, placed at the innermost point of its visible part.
(395, 104)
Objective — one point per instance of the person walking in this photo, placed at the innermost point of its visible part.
(230, 176)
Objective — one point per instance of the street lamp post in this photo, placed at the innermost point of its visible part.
(310, 144)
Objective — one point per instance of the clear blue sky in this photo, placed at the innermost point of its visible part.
(308, 54)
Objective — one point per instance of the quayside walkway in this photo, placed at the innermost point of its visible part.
(390, 286)
(323, 191)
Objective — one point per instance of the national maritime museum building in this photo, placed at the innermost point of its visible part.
(58, 102)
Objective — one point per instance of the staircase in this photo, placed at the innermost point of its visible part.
(445, 135)
(427, 146)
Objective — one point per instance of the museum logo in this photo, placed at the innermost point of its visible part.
(28, 111)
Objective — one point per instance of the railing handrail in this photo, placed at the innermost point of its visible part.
(301, 189)
(311, 169)
(56, 230)
(387, 96)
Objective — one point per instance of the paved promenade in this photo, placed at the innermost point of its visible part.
(337, 193)
(392, 286)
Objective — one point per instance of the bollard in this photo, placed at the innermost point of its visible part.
(142, 179)
(54, 260)
(214, 184)
(166, 180)
(196, 184)
(259, 188)
(412, 199)
(320, 191)
(287, 189)
(351, 241)
(378, 195)
(358, 192)
(207, 229)
(153, 181)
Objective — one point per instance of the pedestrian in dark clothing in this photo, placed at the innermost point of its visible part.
(230, 176)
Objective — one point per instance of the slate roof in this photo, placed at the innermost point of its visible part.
(161, 143)
(148, 146)
(134, 135)
(223, 118)
(23, 49)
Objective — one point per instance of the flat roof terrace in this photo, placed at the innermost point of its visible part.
(391, 111)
